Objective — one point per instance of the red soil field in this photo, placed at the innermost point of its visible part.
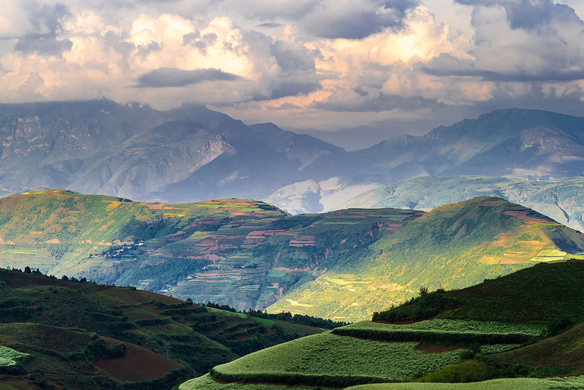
(137, 365)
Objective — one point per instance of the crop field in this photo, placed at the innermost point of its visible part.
(569, 383)
(8, 356)
(327, 359)
(444, 330)
(207, 383)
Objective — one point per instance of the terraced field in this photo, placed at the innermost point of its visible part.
(451, 331)
(328, 359)
(495, 384)
(343, 265)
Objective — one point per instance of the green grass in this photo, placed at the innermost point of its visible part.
(9, 357)
(449, 331)
(207, 383)
(327, 359)
(454, 326)
(495, 384)
(565, 350)
(540, 294)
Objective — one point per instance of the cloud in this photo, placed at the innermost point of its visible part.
(36, 26)
(445, 66)
(270, 25)
(356, 20)
(169, 77)
(299, 63)
(43, 45)
(528, 14)
(286, 89)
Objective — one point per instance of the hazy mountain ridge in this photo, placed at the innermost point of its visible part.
(135, 151)
(192, 153)
(515, 143)
(560, 199)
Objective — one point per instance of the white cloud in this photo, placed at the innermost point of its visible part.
(302, 63)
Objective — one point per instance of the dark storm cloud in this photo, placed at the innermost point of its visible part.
(46, 21)
(358, 22)
(43, 45)
(292, 58)
(170, 77)
(445, 65)
(292, 88)
(47, 17)
(270, 25)
(528, 14)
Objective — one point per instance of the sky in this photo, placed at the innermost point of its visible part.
(381, 67)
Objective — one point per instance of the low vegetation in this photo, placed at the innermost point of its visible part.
(9, 357)
(84, 336)
(544, 294)
(444, 331)
(331, 360)
(496, 384)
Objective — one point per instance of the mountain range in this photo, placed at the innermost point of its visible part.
(559, 199)
(193, 153)
(342, 265)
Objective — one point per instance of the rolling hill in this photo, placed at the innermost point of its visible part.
(500, 334)
(342, 265)
(80, 335)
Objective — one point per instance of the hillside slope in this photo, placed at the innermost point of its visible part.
(453, 246)
(514, 143)
(73, 331)
(506, 335)
(185, 154)
(345, 264)
(560, 200)
(193, 153)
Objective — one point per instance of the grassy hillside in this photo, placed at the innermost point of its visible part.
(540, 294)
(453, 246)
(495, 384)
(492, 355)
(560, 199)
(81, 335)
(343, 265)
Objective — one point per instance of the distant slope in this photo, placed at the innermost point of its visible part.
(518, 143)
(192, 153)
(66, 327)
(560, 199)
(342, 265)
(185, 154)
(514, 143)
(452, 246)
(544, 293)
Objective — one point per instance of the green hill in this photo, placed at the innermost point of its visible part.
(453, 246)
(506, 335)
(80, 335)
(560, 200)
(540, 294)
(343, 265)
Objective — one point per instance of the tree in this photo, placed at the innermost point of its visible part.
(27, 270)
